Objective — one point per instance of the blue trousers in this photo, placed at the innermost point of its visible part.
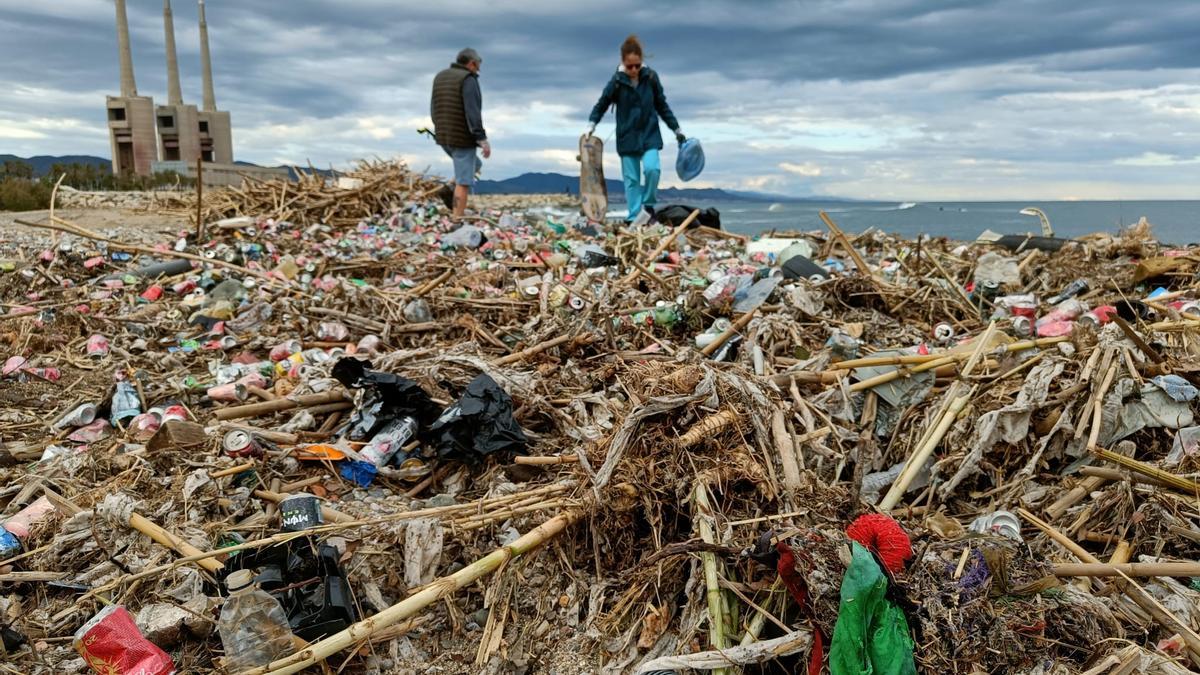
(638, 195)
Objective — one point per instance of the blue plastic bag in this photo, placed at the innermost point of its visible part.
(690, 161)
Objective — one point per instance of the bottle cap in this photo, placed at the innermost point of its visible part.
(239, 580)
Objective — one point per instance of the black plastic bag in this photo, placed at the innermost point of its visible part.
(386, 398)
(799, 267)
(675, 214)
(480, 423)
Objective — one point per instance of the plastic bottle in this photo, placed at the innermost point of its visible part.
(1054, 323)
(253, 626)
(125, 403)
(1073, 289)
(389, 440)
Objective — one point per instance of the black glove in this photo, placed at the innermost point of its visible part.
(679, 136)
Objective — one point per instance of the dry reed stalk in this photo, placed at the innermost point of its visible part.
(707, 428)
(786, 450)
(712, 583)
(535, 349)
(1177, 482)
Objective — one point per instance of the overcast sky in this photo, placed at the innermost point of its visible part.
(886, 99)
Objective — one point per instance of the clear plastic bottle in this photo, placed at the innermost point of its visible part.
(125, 403)
(254, 629)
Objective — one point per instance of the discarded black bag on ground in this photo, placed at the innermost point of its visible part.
(386, 397)
(480, 423)
(799, 267)
(675, 214)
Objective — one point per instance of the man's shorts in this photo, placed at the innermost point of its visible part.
(466, 164)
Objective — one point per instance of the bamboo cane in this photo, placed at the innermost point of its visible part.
(922, 453)
(716, 602)
(1176, 482)
(278, 405)
(441, 588)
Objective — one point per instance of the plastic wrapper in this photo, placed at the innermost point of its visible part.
(386, 397)
(480, 423)
(110, 643)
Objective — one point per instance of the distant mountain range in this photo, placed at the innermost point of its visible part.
(557, 183)
(43, 163)
(525, 184)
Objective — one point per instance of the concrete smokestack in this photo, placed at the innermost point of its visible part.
(210, 99)
(128, 85)
(174, 91)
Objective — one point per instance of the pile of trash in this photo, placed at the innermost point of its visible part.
(334, 428)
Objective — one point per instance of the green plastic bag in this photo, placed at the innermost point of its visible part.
(871, 636)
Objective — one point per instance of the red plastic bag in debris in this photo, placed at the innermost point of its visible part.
(110, 643)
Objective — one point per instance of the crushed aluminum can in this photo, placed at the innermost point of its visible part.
(1002, 523)
(29, 516)
(90, 433)
(97, 346)
(239, 443)
(285, 349)
(332, 331)
(1022, 326)
(13, 364)
(174, 412)
(943, 332)
(83, 415)
(1099, 316)
(152, 293)
(48, 374)
(184, 287)
(370, 344)
(577, 303)
(1190, 308)
(234, 391)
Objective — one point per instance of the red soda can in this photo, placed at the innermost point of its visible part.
(233, 391)
(1026, 309)
(285, 349)
(184, 287)
(97, 346)
(48, 374)
(110, 643)
(153, 293)
(238, 443)
(174, 412)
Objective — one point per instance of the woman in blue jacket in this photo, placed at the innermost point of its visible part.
(638, 94)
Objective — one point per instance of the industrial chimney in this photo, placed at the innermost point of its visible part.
(128, 85)
(178, 123)
(130, 117)
(174, 91)
(216, 134)
(210, 99)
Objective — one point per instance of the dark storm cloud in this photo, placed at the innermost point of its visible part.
(889, 98)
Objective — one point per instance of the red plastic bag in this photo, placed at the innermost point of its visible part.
(111, 644)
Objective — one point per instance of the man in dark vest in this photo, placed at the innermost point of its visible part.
(457, 110)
